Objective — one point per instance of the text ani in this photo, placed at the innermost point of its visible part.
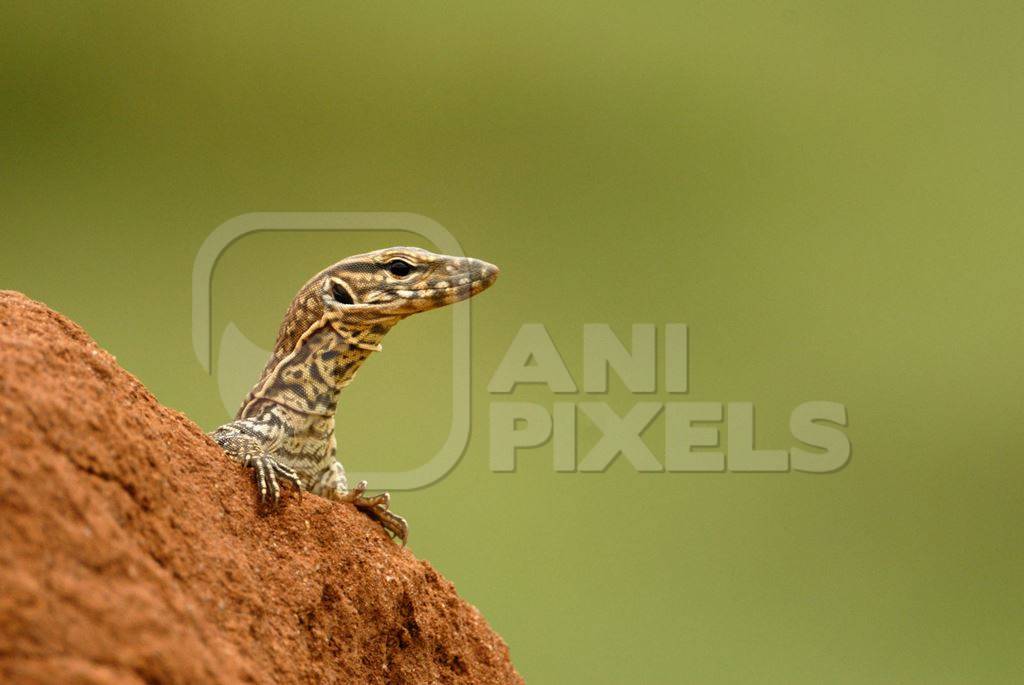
(690, 433)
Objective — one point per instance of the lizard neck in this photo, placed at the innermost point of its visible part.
(339, 354)
(308, 378)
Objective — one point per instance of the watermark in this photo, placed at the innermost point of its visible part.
(693, 430)
(238, 354)
(692, 438)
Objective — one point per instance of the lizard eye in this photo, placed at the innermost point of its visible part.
(399, 268)
(341, 294)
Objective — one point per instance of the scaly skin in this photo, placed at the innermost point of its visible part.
(285, 426)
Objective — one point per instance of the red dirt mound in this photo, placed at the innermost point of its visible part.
(131, 550)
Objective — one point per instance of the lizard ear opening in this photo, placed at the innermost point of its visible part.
(341, 293)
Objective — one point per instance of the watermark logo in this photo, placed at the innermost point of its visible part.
(692, 441)
(238, 355)
(693, 430)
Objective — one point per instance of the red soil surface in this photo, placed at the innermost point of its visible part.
(131, 549)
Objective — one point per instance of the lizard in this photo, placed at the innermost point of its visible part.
(284, 428)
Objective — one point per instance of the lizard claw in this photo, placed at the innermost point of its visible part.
(377, 507)
(393, 524)
(266, 470)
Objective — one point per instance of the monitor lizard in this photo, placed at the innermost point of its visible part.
(285, 426)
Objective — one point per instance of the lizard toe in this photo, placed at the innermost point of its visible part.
(266, 471)
(393, 524)
(289, 475)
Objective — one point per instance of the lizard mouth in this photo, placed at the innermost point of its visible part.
(475, 277)
(480, 277)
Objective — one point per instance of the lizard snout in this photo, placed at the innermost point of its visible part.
(483, 272)
(457, 279)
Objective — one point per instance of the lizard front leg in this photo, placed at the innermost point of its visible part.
(251, 443)
(332, 484)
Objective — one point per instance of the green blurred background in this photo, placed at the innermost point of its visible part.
(829, 194)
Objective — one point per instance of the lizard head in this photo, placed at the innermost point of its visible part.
(385, 286)
(363, 296)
